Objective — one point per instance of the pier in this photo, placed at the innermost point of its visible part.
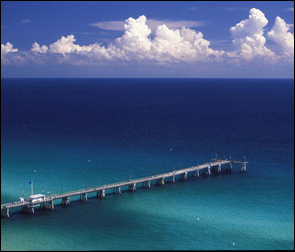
(207, 169)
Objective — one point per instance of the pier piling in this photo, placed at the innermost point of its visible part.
(205, 169)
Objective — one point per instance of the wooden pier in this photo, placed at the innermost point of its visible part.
(207, 169)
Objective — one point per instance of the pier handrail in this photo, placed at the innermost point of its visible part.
(122, 183)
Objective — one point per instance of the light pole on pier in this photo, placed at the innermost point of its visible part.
(31, 183)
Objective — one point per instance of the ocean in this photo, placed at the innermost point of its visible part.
(68, 134)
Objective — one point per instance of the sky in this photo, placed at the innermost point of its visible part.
(147, 39)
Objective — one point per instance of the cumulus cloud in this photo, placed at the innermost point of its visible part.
(168, 44)
(10, 55)
(181, 45)
(250, 26)
(154, 23)
(64, 45)
(248, 39)
(36, 48)
(5, 49)
(283, 38)
(136, 38)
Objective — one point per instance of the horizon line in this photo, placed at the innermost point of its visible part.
(278, 78)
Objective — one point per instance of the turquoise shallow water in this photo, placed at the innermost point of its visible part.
(78, 133)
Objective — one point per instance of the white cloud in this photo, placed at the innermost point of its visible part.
(253, 25)
(248, 39)
(36, 48)
(181, 45)
(26, 21)
(136, 38)
(169, 45)
(152, 24)
(283, 38)
(64, 45)
(291, 9)
(110, 25)
(10, 55)
(8, 48)
(236, 9)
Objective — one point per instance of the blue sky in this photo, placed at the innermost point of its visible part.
(195, 39)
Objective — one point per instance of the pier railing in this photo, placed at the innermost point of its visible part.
(48, 202)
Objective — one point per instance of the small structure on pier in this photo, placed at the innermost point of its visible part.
(35, 198)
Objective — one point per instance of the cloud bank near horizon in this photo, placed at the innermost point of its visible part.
(168, 46)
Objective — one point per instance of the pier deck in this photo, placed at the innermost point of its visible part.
(48, 202)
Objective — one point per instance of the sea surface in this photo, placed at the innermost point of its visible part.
(68, 134)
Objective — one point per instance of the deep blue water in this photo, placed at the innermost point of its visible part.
(83, 132)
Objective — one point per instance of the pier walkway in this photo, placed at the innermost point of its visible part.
(48, 202)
